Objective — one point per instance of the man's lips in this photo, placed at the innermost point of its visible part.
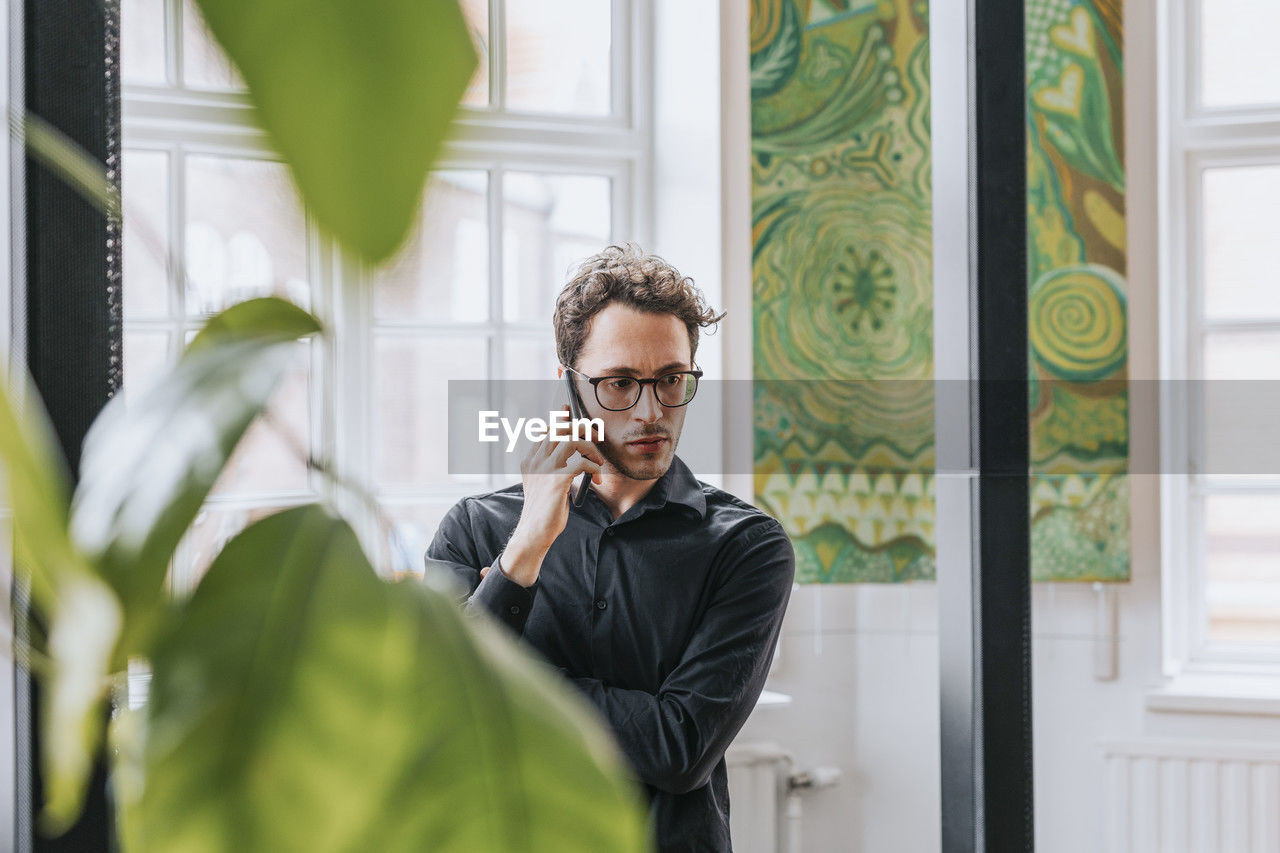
(651, 443)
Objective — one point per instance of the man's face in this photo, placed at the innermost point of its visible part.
(622, 341)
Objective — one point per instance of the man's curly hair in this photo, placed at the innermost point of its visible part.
(627, 275)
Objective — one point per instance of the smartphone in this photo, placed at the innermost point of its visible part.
(576, 411)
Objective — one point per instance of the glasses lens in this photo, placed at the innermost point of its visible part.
(617, 392)
(676, 389)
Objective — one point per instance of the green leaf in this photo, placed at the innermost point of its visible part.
(36, 483)
(75, 166)
(299, 702)
(83, 615)
(86, 622)
(147, 468)
(357, 95)
(268, 319)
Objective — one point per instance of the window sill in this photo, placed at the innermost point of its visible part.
(1251, 695)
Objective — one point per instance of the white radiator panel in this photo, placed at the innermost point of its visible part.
(757, 779)
(1194, 796)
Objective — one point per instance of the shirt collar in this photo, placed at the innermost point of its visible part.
(678, 485)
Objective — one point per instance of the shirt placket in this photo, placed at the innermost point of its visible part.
(602, 609)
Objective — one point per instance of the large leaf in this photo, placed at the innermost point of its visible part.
(85, 623)
(301, 703)
(82, 614)
(36, 482)
(268, 319)
(357, 95)
(147, 468)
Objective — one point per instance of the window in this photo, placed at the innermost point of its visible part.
(1220, 333)
(552, 146)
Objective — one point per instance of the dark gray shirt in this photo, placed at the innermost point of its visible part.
(665, 618)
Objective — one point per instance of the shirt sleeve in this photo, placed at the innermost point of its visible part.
(454, 549)
(676, 738)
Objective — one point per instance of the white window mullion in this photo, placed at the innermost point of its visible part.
(497, 344)
(498, 54)
(353, 396)
(176, 263)
(173, 41)
(622, 103)
(320, 380)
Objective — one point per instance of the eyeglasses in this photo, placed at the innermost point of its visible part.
(619, 393)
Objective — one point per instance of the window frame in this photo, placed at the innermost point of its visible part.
(618, 146)
(1192, 139)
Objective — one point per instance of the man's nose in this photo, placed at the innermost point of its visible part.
(648, 409)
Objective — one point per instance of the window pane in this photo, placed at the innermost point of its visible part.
(442, 273)
(1240, 52)
(1240, 410)
(246, 234)
(550, 223)
(142, 41)
(1242, 355)
(531, 359)
(558, 56)
(1242, 578)
(411, 385)
(1241, 207)
(477, 15)
(146, 356)
(145, 193)
(271, 456)
(204, 65)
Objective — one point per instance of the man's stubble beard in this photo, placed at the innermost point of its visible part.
(652, 470)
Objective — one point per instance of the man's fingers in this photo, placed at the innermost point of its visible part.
(578, 463)
(568, 448)
(484, 571)
(545, 447)
(560, 453)
(532, 456)
(589, 450)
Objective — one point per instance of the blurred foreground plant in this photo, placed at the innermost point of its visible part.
(298, 701)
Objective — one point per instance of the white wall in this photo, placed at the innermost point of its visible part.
(861, 661)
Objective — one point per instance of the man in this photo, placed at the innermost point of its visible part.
(660, 597)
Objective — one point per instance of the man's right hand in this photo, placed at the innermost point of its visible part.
(548, 471)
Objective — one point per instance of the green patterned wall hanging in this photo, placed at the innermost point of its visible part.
(843, 286)
(1076, 307)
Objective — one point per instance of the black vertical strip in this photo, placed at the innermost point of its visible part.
(73, 321)
(1002, 525)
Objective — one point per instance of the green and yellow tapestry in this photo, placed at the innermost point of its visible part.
(1076, 306)
(843, 286)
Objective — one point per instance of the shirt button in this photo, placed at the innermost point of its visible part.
(514, 609)
(601, 604)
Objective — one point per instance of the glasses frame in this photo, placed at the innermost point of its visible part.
(596, 380)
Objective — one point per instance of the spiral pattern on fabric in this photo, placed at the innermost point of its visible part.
(1077, 322)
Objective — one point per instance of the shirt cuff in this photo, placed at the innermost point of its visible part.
(507, 600)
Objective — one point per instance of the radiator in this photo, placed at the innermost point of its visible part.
(758, 774)
(1169, 796)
